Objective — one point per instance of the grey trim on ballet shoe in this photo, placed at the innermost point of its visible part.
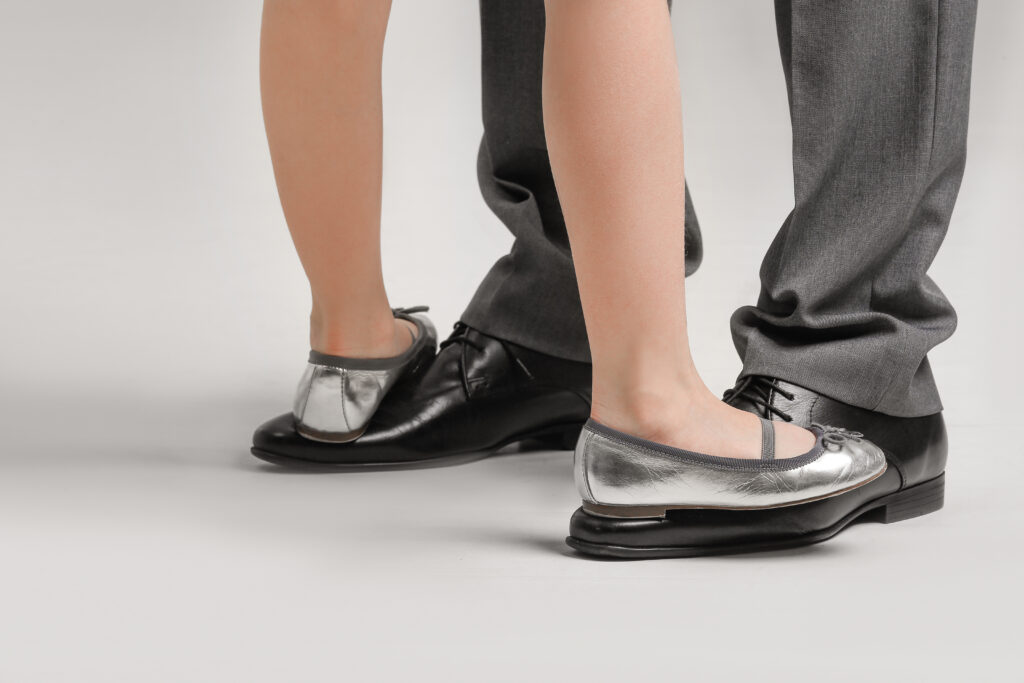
(767, 439)
(337, 396)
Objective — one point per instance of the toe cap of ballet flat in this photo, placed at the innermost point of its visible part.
(861, 461)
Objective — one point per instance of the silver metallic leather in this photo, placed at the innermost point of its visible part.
(337, 396)
(619, 475)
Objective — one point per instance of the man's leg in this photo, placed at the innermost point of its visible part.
(530, 296)
(879, 97)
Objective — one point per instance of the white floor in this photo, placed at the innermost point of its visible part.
(169, 554)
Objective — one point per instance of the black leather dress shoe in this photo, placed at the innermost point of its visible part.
(913, 485)
(475, 396)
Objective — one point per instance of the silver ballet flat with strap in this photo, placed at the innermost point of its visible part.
(337, 396)
(620, 475)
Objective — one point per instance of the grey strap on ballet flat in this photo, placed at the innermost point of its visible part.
(767, 439)
(337, 396)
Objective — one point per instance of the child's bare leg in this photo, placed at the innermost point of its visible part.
(613, 121)
(320, 71)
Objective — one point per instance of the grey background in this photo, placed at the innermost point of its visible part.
(154, 312)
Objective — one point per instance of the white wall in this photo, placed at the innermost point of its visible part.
(144, 252)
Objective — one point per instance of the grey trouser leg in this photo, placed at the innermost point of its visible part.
(529, 297)
(878, 97)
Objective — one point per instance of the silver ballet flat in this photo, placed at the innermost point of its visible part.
(337, 396)
(620, 475)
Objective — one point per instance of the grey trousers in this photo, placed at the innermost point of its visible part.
(878, 94)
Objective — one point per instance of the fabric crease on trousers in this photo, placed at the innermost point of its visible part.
(878, 94)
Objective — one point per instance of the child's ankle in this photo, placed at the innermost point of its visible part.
(366, 339)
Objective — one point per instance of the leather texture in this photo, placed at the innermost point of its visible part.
(620, 475)
(336, 397)
(477, 394)
(915, 448)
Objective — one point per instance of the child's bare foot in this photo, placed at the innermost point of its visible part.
(700, 423)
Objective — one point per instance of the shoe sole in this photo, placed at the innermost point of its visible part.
(909, 503)
(558, 437)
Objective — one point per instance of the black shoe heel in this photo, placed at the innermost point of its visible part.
(915, 501)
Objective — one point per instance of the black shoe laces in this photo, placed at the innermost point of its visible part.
(459, 335)
(758, 390)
